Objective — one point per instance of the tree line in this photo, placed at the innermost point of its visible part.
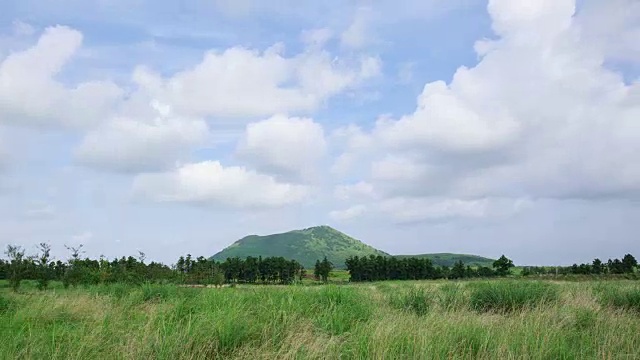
(627, 265)
(268, 270)
(79, 270)
(377, 268)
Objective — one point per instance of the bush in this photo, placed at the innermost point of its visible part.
(621, 298)
(511, 295)
(416, 300)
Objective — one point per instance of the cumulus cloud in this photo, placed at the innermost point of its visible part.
(434, 209)
(30, 94)
(406, 210)
(134, 144)
(209, 182)
(240, 82)
(540, 115)
(284, 145)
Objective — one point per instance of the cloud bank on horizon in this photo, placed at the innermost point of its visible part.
(478, 127)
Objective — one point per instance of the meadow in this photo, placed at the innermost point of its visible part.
(472, 319)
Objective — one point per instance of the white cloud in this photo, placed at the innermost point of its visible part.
(359, 190)
(613, 27)
(210, 183)
(452, 121)
(349, 213)
(239, 82)
(316, 37)
(357, 34)
(396, 168)
(404, 210)
(539, 115)
(435, 209)
(29, 94)
(281, 144)
(134, 145)
(21, 28)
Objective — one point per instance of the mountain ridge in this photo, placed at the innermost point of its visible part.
(304, 245)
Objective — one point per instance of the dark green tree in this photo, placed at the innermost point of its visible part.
(74, 272)
(42, 263)
(597, 267)
(217, 277)
(629, 263)
(325, 267)
(503, 265)
(458, 270)
(317, 270)
(17, 265)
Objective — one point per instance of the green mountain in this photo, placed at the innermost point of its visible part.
(306, 246)
(447, 259)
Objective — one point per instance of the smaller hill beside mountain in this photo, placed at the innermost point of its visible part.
(448, 259)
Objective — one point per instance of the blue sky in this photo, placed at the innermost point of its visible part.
(483, 127)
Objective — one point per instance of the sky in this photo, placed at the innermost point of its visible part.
(482, 127)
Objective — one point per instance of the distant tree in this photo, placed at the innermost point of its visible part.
(485, 271)
(458, 270)
(317, 270)
(42, 263)
(74, 271)
(597, 267)
(17, 266)
(325, 267)
(629, 263)
(526, 271)
(615, 267)
(503, 265)
(217, 277)
(4, 266)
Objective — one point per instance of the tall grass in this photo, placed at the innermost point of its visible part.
(506, 296)
(6, 304)
(414, 299)
(627, 298)
(412, 320)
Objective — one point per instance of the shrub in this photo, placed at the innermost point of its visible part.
(416, 300)
(511, 295)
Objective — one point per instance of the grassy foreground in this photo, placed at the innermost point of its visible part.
(498, 319)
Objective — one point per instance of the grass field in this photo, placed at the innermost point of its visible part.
(497, 319)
